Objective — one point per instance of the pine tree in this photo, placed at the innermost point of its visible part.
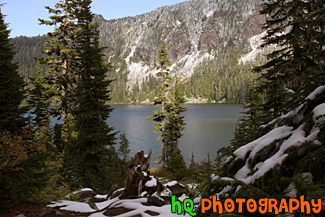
(160, 116)
(40, 101)
(174, 126)
(124, 147)
(12, 85)
(288, 66)
(60, 49)
(314, 22)
(252, 117)
(124, 160)
(176, 123)
(95, 140)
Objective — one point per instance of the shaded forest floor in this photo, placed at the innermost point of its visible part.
(36, 210)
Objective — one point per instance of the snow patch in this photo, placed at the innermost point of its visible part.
(291, 190)
(242, 173)
(188, 64)
(137, 73)
(183, 197)
(317, 91)
(131, 54)
(224, 191)
(104, 204)
(86, 189)
(319, 113)
(255, 42)
(260, 143)
(227, 179)
(184, 68)
(137, 207)
(152, 182)
(72, 206)
(296, 139)
(209, 13)
(98, 196)
(313, 134)
(166, 192)
(169, 184)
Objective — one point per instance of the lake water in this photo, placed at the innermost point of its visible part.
(208, 128)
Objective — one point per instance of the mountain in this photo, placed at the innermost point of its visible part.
(199, 34)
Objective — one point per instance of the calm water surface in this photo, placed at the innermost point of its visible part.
(208, 128)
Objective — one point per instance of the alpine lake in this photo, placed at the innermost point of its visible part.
(208, 128)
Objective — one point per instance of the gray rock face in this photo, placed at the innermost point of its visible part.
(190, 29)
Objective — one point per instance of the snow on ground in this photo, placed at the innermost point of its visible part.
(319, 113)
(255, 43)
(140, 209)
(123, 207)
(72, 206)
(166, 192)
(106, 203)
(135, 205)
(170, 183)
(183, 197)
(260, 143)
(86, 189)
(98, 214)
(98, 196)
(152, 182)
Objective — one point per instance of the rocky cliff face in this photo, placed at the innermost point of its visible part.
(202, 37)
(191, 29)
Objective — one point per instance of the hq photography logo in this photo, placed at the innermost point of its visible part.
(263, 206)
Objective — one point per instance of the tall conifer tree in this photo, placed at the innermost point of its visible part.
(160, 115)
(176, 123)
(95, 139)
(12, 85)
(40, 101)
(60, 49)
(286, 66)
(174, 127)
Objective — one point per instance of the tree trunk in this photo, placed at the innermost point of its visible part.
(163, 147)
(137, 175)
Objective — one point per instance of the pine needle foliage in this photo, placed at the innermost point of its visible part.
(160, 116)
(95, 138)
(12, 92)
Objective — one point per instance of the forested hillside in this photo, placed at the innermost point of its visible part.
(27, 50)
(204, 38)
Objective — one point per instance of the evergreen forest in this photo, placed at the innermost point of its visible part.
(81, 165)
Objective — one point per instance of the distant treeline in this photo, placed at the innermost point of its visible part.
(220, 78)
